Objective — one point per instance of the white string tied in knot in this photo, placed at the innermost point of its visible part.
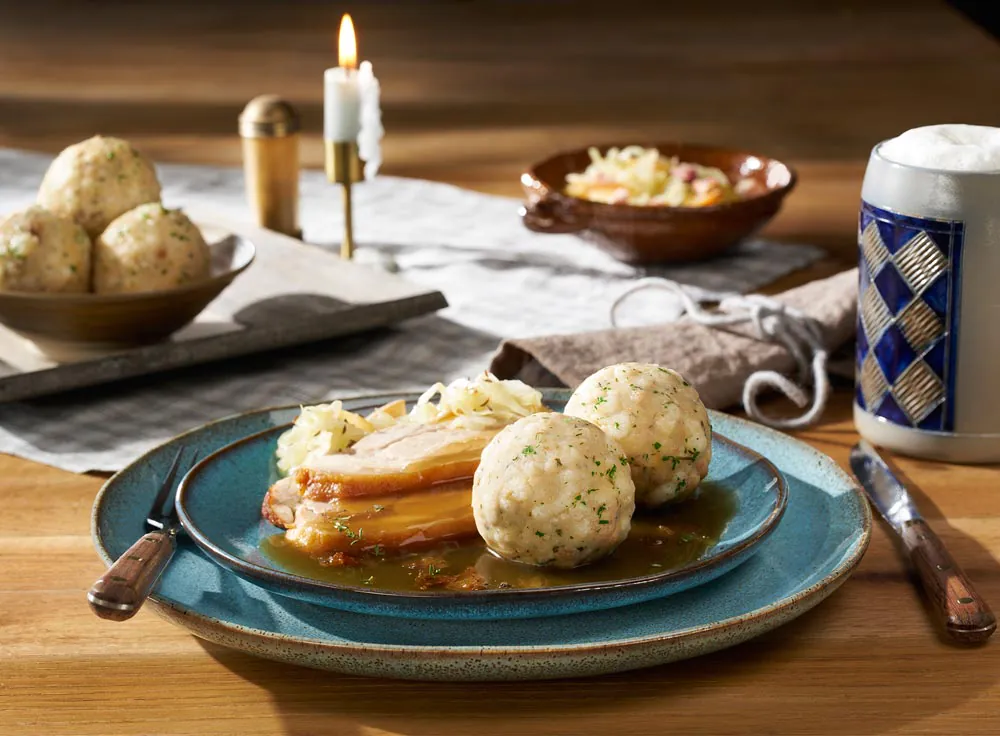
(773, 322)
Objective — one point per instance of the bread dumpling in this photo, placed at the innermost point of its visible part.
(660, 421)
(42, 252)
(553, 490)
(149, 248)
(96, 180)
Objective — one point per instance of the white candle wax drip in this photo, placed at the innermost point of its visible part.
(370, 136)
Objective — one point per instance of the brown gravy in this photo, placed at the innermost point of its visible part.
(660, 540)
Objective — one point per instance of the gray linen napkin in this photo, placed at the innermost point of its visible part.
(718, 361)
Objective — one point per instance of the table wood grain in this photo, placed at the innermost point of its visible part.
(473, 92)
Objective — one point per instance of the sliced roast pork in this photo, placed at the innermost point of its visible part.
(406, 486)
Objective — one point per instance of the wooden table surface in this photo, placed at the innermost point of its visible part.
(474, 91)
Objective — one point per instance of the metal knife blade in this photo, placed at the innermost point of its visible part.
(885, 490)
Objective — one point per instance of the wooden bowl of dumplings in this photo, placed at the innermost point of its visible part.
(99, 264)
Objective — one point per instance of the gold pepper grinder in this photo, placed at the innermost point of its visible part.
(270, 128)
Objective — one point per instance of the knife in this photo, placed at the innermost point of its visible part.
(964, 615)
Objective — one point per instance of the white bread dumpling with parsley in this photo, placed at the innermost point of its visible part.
(553, 490)
(43, 252)
(149, 248)
(660, 422)
(94, 181)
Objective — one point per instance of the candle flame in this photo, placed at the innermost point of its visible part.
(347, 44)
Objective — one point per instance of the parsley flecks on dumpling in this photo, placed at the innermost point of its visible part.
(660, 422)
(149, 248)
(43, 252)
(553, 490)
(96, 180)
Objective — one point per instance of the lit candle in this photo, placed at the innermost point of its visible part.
(341, 91)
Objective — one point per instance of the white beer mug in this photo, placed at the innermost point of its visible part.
(928, 356)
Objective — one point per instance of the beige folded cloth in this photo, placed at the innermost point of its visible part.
(716, 360)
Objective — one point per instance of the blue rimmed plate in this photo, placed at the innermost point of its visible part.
(227, 526)
(821, 539)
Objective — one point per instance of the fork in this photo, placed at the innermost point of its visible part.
(122, 590)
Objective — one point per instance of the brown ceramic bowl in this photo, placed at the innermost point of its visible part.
(70, 326)
(657, 234)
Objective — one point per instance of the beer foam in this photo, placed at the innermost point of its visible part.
(949, 147)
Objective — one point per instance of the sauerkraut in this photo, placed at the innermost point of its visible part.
(642, 176)
(320, 430)
(480, 403)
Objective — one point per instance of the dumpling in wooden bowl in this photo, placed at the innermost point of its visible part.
(42, 252)
(149, 248)
(96, 180)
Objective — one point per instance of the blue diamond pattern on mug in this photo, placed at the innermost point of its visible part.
(908, 297)
(892, 288)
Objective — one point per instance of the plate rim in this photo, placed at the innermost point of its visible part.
(480, 597)
(828, 583)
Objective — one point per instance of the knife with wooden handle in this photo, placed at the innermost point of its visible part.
(964, 616)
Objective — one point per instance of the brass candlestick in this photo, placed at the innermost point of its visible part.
(343, 166)
(269, 127)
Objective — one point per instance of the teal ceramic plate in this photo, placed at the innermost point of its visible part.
(228, 528)
(820, 540)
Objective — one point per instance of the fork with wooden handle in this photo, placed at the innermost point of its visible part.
(122, 590)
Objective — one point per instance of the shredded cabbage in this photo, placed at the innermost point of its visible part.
(320, 430)
(480, 403)
(641, 176)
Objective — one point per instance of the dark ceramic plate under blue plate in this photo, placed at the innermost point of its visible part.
(219, 504)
